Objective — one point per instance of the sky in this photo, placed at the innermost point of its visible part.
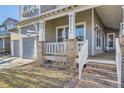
(11, 11)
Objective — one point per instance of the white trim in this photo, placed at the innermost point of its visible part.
(101, 61)
(21, 44)
(3, 44)
(93, 40)
(113, 41)
(100, 47)
(77, 24)
(12, 47)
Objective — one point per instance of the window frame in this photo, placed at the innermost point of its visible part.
(67, 26)
(99, 33)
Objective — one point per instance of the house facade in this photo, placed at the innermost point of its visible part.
(9, 23)
(94, 30)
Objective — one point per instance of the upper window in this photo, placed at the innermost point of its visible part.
(28, 7)
(98, 37)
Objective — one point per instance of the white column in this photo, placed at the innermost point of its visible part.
(42, 30)
(72, 34)
(3, 44)
(21, 44)
(12, 48)
(35, 47)
(93, 32)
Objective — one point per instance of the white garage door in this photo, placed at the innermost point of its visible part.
(28, 48)
(16, 48)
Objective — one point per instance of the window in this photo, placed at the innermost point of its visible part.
(63, 31)
(98, 37)
(80, 32)
(28, 7)
(10, 26)
(60, 35)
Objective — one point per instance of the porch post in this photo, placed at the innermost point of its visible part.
(122, 51)
(3, 45)
(71, 43)
(12, 48)
(122, 25)
(40, 53)
(35, 48)
(20, 44)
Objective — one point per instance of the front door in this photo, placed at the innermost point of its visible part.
(110, 41)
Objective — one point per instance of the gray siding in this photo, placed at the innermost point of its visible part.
(44, 8)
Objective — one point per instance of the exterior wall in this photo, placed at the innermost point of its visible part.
(97, 21)
(50, 31)
(7, 43)
(87, 17)
(45, 8)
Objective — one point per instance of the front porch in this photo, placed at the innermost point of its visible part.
(106, 57)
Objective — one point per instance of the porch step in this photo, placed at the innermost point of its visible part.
(110, 67)
(98, 75)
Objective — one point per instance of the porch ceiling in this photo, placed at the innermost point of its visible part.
(111, 15)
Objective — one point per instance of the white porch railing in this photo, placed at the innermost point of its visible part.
(55, 48)
(83, 55)
(118, 62)
(59, 48)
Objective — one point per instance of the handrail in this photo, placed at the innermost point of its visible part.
(118, 62)
(83, 55)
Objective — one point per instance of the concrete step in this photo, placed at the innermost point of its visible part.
(110, 67)
(90, 84)
(101, 72)
(99, 79)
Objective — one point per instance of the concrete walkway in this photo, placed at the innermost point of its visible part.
(7, 62)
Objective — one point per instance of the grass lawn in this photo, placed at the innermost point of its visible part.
(33, 77)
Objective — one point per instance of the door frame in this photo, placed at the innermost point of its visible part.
(108, 48)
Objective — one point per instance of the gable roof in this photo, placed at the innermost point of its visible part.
(9, 19)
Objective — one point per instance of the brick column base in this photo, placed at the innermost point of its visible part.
(71, 55)
(122, 52)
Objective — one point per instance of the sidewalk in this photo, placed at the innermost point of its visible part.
(7, 62)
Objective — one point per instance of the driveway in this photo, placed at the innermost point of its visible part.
(7, 62)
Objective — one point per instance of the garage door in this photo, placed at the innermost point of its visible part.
(28, 48)
(16, 48)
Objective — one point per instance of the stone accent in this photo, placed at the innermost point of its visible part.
(71, 54)
(40, 53)
(122, 52)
